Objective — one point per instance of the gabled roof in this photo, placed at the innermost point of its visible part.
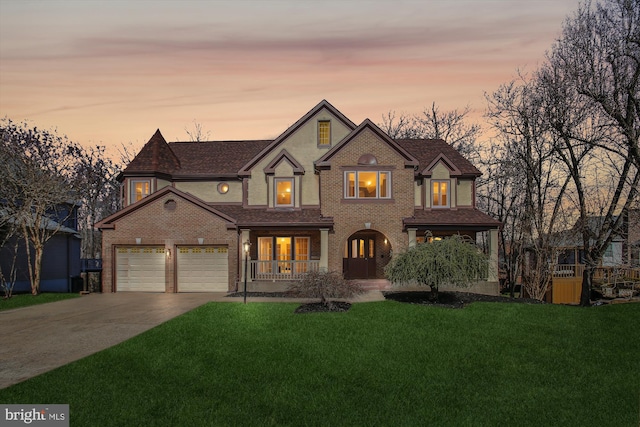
(428, 151)
(442, 158)
(284, 155)
(154, 157)
(109, 222)
(235, 159)
(325, 161)
(324, 104)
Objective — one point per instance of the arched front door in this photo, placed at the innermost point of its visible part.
(359, 260)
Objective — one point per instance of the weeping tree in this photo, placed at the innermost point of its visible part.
(454, 260)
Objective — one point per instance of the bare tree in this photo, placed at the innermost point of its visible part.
(525, 185)
(451, 126)
(97, 188)
(37, 187)
(589, 85)
(197, 134)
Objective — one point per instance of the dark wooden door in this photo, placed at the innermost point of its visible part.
(361, 258)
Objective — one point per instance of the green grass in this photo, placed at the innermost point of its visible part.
(386, 364)
(25, 300)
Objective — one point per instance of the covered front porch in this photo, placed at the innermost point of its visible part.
(282, 256)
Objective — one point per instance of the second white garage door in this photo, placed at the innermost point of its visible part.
(203, 269)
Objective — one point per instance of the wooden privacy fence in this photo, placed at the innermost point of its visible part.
(616, 281)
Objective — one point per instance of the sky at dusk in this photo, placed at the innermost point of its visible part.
(111, 72)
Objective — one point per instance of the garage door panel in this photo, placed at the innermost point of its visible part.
(140, 269)
(203, 269)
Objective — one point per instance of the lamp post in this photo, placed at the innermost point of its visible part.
(246, 245)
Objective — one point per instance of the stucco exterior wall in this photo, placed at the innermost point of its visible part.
(465, 192)
(303, 146)
(208, 191)
(155, 224)
(161, 183)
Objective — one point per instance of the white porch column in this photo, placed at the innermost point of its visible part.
(493, 255)
(412, 237)
(244, 237)
(324, 249)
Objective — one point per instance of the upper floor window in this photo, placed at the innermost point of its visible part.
(440, 193)
(140, 188)
(367, 185)
(284, 192)
(324, 133)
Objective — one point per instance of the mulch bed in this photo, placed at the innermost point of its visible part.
(452, 299)
(446, 299)
(262, 294)
(318, 307)
(312, 307)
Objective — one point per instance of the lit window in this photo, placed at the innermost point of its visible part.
(440, 194)
(139, 190)
(367, 185)
(324, 133)
(284, 192)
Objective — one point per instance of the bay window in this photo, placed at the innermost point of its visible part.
(140, 188)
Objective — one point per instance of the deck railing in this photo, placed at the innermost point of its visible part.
(567, 270)
(275, 270)
(605, 274)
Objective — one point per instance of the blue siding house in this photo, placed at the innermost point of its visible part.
(60, 260)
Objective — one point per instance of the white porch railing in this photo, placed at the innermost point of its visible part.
(567, 270)
(281, 270)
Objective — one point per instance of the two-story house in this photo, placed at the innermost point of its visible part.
(326, 194)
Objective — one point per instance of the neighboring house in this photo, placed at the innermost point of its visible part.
(326, 194)
(622, 251)
(60, 258)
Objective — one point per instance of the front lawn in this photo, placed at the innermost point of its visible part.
(386, 363)
(25, 300)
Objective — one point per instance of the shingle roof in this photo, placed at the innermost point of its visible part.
(263, 218)
(215, 157)
(427, 150)
(194, 159)
(230, 158)
(155, 156)
(455, 217)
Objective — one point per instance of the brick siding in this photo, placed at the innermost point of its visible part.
(157, 225)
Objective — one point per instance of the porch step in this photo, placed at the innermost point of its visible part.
(374, 284)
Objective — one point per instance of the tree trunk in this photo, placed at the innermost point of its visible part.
(35, 284)
(434, 293)
(587, 279)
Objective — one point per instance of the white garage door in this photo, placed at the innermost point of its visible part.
(140, 268)
(203, 269)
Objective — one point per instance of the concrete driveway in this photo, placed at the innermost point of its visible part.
(40, 338)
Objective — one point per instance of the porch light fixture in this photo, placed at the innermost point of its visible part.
(367, 225)
(200, 240)
(168, 253)
(246, 246)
